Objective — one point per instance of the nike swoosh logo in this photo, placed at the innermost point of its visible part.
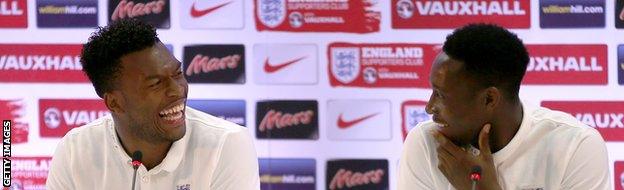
(269, 68)
(342, 124)
(199, 13)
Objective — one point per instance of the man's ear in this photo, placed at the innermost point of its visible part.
(493, 97)
(113, 101)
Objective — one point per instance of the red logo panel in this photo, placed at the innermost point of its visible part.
(380, 65)
(13, 14)
(456, 13)
(57, 117)
(606, 117)
(41, 63)
(567, 64)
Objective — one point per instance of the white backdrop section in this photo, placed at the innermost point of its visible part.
(324, 148)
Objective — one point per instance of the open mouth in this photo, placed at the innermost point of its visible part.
(173, 114)
(439, 122)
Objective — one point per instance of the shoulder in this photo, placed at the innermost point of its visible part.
(89, 135)
(206, 127)
(563, 124)
(420, 136)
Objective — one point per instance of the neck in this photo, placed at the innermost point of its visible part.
(153, 153)
(505, 125)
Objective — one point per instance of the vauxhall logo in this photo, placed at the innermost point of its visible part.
(553, 63)
(53, 117)
(602, 120)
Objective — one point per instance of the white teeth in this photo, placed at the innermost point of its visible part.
(176, 116)
(175, 109)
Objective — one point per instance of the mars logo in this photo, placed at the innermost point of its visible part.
(207, 64)
(618, 177)
(287, 119)
(619, 14)
(30, 172)
(57, 117)
(40, 63)
(620, 62)
(13, 14)
(317, 16)
(357, 174)
(606, 117)
(214, 63)
(271, 12)
(412, 113)
(380, 65)
(154, 12)
(567, 64)
(359, 120)
(15, 110)
(452, 14)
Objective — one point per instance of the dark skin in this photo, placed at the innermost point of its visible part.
(149, 82)
(469, 114)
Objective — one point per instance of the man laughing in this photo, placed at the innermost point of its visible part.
(480, 125)
(142, 85)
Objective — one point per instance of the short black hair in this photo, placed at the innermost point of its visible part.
(492, 56)
(101, 55)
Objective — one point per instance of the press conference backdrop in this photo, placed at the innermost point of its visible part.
(328, 88)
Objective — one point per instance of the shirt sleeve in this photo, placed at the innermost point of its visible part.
(237, 168)
(415, 165)
(59, 176)
(589, 165)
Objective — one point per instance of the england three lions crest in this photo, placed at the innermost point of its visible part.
(271, 12)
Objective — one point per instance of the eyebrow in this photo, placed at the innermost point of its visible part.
(179, 65)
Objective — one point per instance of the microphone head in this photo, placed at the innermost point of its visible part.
(475, 170)
(137, 156)
(475, 173)
(136, 159)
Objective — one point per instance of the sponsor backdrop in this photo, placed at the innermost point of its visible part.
(328, 88)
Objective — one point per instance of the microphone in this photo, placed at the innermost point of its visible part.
(475, 176)
(136, 162)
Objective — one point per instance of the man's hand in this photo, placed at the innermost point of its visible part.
(456, 163)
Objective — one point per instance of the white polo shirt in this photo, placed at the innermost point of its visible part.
(213, 154)
(551, 150)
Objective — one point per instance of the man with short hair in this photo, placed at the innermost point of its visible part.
(479, 123)
(142, 85)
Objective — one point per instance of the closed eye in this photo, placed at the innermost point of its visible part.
(157, 82)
